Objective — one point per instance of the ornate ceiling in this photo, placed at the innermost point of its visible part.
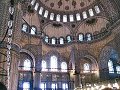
(66, 10)
(66, 5)
(58, 26)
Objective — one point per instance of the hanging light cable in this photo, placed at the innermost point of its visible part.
(9, 40)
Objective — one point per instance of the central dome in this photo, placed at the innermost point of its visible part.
(66, 5)
(66, 10)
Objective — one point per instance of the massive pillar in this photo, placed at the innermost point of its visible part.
(15, 56)
(38, 60)
(37, 80)
(75, 66)
(77, 80)
(14, 71)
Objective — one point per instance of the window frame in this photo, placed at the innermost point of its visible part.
(82, 38)
(64, 69)
(46, 39)
(70, 39)
(53, 40)
(86, 68)
(27, 88)
(63, 41)
(26, 27)
(44, 68)
(36, 6)
(88, 38)
(52, 67)
(110, 67)
(33, 31)
(97, 9)
(28, 68)
(118, 69)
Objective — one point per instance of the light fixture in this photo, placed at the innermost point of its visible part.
(109, 85)
(115, 85)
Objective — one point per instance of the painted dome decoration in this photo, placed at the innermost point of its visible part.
(66, 10)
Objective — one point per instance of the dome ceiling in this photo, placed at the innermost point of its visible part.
(91, 28)
(66, 5)
(66, 10)
(52, 31)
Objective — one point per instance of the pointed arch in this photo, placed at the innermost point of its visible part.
(44, 65)
(64, 67)
(53, 63)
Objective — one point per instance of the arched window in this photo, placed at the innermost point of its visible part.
(68, 39)
(53, 63)
(65, 86)
(110, 66)
(86, 68)
(33, 2)
(97, 9)
(52, 16)
(44, 65)
(78, 17)
(88, 37)
(24, 27)
(46, 13)
(91, 12)
(71, 17)
(81, 37)
(27, 65)
(118, 69)
(58, 18)
(46, 39)
(84, 15)
(64, 67)
(33, 30)
(54, 86)
(36, 6)
(42, 86)
(41, 10)
(53, 40)
(61, 40)
(26, 86)
(64, 18)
